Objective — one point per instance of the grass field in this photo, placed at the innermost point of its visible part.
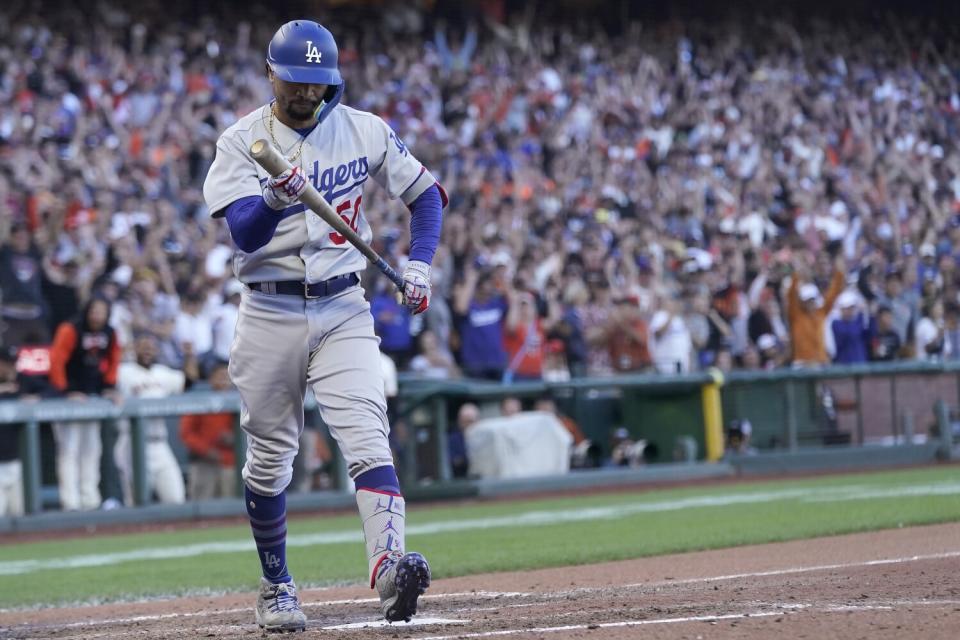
(482, 537)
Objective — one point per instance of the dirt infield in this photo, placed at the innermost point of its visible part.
(902, 583)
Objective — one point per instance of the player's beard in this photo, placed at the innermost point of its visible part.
(301, 110)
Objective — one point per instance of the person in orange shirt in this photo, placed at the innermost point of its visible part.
(806, 314)
(209, 439)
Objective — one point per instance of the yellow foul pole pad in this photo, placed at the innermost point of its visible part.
(713, 416)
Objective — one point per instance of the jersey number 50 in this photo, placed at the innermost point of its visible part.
(338, 238)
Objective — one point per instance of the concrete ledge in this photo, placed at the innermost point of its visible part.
(835, 459)
(159, 513)
(601, 478)
(453, 490)
(62, 520)
(317, 501)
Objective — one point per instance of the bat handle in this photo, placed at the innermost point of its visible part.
(389, 272)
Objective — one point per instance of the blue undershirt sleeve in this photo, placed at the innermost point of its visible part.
(252, 222)
(426, 213)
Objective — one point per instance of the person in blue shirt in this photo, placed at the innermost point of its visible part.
(481, 309)
(851, 331)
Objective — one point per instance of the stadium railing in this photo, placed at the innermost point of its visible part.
(789, 410)
(29, 415)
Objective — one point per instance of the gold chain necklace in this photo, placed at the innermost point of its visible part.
(294, 158)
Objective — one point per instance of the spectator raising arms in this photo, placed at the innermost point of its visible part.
(808, 314)
(482, 310)
(523, 338)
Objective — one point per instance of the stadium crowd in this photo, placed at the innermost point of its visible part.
(745, 194)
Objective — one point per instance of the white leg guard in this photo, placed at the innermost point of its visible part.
(383, 516)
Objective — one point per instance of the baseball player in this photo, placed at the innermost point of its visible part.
(303, 318)
(146, 378)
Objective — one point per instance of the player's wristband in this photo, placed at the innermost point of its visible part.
(275, 203)
(419, 268)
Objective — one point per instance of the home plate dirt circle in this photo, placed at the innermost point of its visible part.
(902, 583)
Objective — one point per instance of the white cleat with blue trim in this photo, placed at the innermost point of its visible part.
(278, 607)
(401, 580)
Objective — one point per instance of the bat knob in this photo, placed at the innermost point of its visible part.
(258, 148)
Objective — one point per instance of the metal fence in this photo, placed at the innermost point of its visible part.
(29, 416)
(893, 403)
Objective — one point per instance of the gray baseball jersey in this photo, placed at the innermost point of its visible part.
(338, 156)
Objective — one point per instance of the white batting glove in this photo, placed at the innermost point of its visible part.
(285, 189)
(416, 286)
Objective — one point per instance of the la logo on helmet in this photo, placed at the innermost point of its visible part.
(313, 54)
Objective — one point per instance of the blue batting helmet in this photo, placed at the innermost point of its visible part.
(304, 51)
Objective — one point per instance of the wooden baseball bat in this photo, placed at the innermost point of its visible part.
(275, 164)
